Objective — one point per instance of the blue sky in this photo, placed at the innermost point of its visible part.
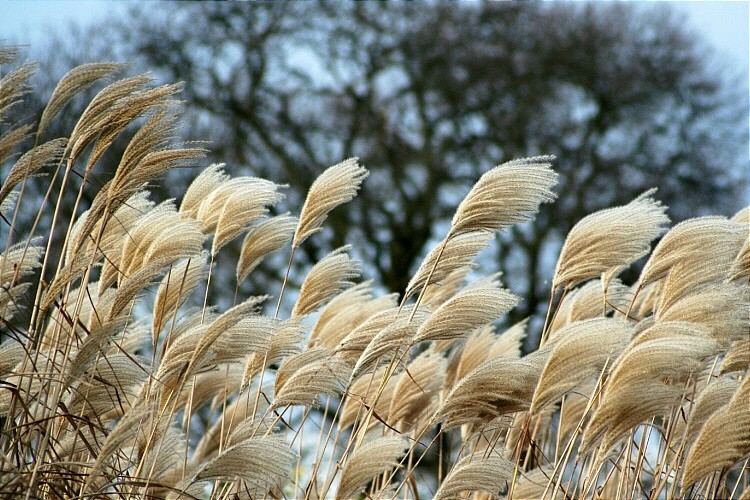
(724, 25)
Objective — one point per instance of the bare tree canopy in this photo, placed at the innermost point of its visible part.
(430, 95)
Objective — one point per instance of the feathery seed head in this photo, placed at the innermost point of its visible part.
(458, 252)
(266, 237)
(335, 186)
(73, 82)
(371, 459)
(610, 240)
(328, 277)
(506, 195)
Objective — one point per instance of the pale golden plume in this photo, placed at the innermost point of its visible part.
(345, 313)
(304, 377)
(476, 472)
(72, 83)
(263, 462)
(10, 139)
(496, 387)
(335, 186)
(437, 293)
(486, 344)
(608, 241)
(36, 159)
(371, 459)
(175, 289)
(243, 208)
(458, 252)
(635, 390)
(742, 216)
(740, 269)
(582, 350)
(712, 398)
(694, 242)
(262, 239)
(723, 440)
(724, 309)
(506, 195)
(391, 343)
(737, 358)
(328, 277)
(203, 185)
(354, 343)
(421, 383)
(361, 395)
(14, 86)
(466, 311)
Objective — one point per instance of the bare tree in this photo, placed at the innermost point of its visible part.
(429, 95)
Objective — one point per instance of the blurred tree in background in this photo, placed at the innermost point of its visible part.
(429, 96)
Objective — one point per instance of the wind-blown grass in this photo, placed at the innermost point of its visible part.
(113, 383)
